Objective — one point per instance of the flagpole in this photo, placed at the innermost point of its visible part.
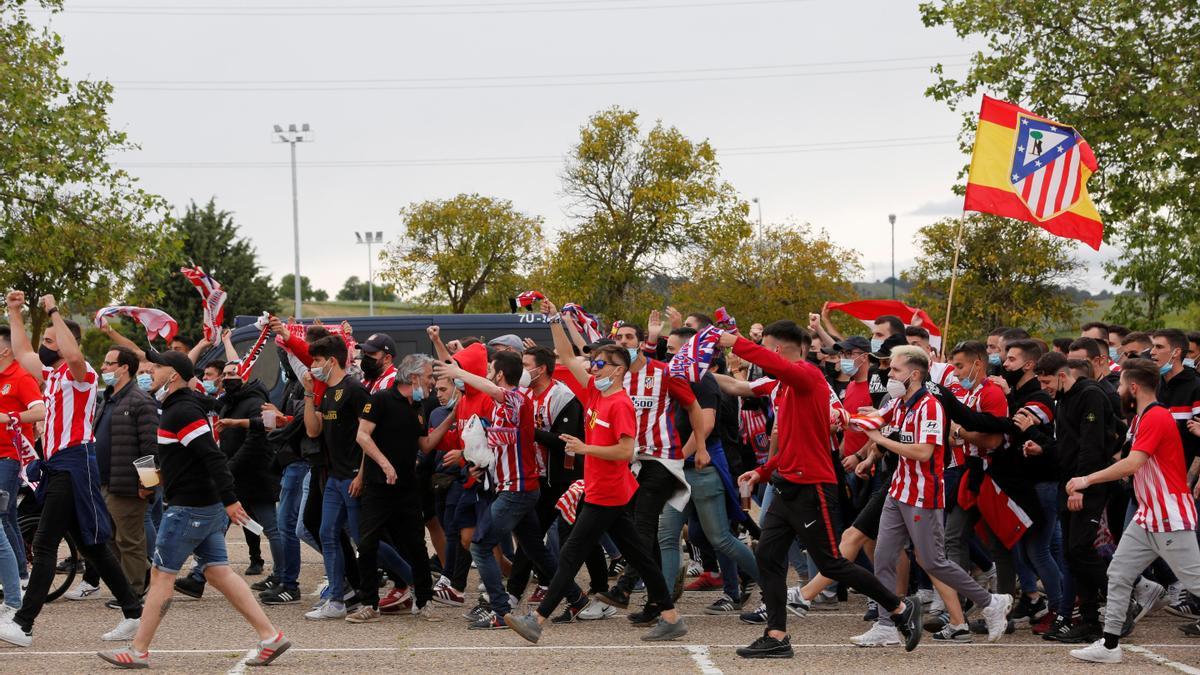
(953, 277)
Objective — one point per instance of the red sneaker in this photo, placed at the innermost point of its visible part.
(396, 601)
(538, 594)
(1044, 624)
(705, 582)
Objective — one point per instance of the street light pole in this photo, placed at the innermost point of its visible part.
(892, 221)
(292, 136)
(370, 238)
(759, 204)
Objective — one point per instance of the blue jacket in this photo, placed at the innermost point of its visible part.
(95, 525)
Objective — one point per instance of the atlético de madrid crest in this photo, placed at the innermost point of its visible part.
(1045, 168)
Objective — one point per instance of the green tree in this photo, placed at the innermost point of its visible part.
(208, 237)
(71, 223)
(355, 289)
(287, 288)
(1009, 274)
(643, 205)
(465, 252)
(1126, 73)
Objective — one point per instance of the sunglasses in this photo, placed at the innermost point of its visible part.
(600, 363)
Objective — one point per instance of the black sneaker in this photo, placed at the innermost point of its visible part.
(65, 566)
(615, 596)
(489, 622)
(724, 605)
(756, 618)
(570, 612)
(265, 585)
(282, 595)
(1131, 615)
(616, 568)
(1057, 629)
(1028, 611)
(190, 587)
(872, 613)
(979, 627)
(1080, 634)
(767, 647)
(648, 616)
(937, 622)
(1191, 629)
(908, 622)
(255, 568)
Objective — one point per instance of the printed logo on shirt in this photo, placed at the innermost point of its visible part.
(593, 418)
(366, 409)
(5, 389)
(648, 381)
(337, 394)
(930, 425)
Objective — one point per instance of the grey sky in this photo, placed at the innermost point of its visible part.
(418, 108)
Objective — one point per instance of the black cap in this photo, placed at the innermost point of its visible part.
(379, 342)
(885, 351)
(173, 359)
(602, 342)
(851, 343)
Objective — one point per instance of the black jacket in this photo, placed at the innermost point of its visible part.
(569, 421)
(246, 450)
(134, 433)
(194, 471)
(1181, 395)
(1083, 423)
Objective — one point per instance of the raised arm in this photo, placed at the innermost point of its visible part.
(439, 347)
(119, 340)
(734, 386)
(23, 350)
(453, 370)
(68, 348)
(231, 354)
(312, 418)
(562, 346)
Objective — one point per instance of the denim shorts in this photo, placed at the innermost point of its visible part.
(191, 530)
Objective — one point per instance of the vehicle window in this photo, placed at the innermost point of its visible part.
(266, 368)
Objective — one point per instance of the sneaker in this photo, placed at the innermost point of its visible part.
(723, 605)
(1028, 611)
(65, 566)
(396, 601)
(446, 595)
(872, 613)
(488, 622)
(1188, 607)
(1175, 593)
(323, 586)
(926, 596)
(646, 617)
(995, 616)
(319, 604)
(426, 614)
(878, 636)
(825, 601)
(282, 595)
(365, 614)
(615, 596)
(597, 610)
(1060, 626)
(1098, 653)
(937, 622)
(570, 612)
(616, 568)
(767, 647)
(1191, 629)
(124, 631)
(189, 587)
(757, 617)
(269, 650)
(126, 658)
(705, 582)
(747, 587)
(481, 608)
(525, 626)
(265, 585)
(665, 630)
(82, 591)
(694, 568)
(986, 579)
(329, 610)
(908, 622)
(254, 569)
(1079, 634)
(538, 594)
(1045, 624)
(954, 634)
(1148, 595)
(796, 604)
(13, 634)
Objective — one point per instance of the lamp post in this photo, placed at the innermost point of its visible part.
(370, 239)
(892, 220)
(292, 136)
(759, 204)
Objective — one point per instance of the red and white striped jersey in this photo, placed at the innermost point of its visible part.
(546, 407)
(70, 407)
(1164, 502)
(986, 397)
(752, 429)
(942, 374)
(918, 483)
(385, 380)
(510, 436)
(655, 394)
(765, 386)
(568, 503)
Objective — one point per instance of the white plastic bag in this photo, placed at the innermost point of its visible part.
(475, 445)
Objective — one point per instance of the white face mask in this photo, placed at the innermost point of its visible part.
(896, 388)
(525, 379)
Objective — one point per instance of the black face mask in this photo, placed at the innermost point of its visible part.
(48, 356)
(232, 385)
(371, 367)
(1012, 377)
(831, 370)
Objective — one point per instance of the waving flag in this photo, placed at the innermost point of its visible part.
(250, 357)
(585, 323)
(867, 311)
(527, 299)
(724, 320)
(694, 358)
(212, 299)
(156, 322)
(1030, 168)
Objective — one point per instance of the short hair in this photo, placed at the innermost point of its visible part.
(543, 356)
(1117, 328)
(314, 333)
(913, 356)
(1135, 336)
(330, 347)
(684, 333)
(1051, 363)
(613, 354)
(1194, 337)
(917, 332)
(468, 341)
(1063, 344)
(1175, 337)
(1080, 368)
(704, 319)
(786, 330)
(998, 331)
(187, 342)
(126, 357)
(1029, 348)
(641, 334)
(508, 364)
(1139, 371)
(1089, 345)
(6, 334)
(1014, 334)
(893, 322)
(1041, 344)
(974, 349)
(216, 363)
(1094, 324)
(410, 365)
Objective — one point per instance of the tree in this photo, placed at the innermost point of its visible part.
(789, 273)
(1009, 274)
(287, 288)
(1127, 74)
(355, 289)
(643, 204)
(460, 251)
(320, 295)
(71, 223)
(208, 237)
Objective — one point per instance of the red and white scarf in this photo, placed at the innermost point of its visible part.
(585, 323)
(212, 300)
(156, 322)
(694, 358)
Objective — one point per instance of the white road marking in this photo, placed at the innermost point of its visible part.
(240, 667)
(1162, 660)
(703, 662)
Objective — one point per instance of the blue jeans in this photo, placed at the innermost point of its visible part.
(10, 573)
(512, 514)
(291, 489)
(1035, 548)
(708, 501)
(10, 482)
(340, 510)
(302, 532)
(191, 530)
(154, 516)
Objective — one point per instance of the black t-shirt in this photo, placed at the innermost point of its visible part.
(708, 396)
(398, 426)
(340, 409)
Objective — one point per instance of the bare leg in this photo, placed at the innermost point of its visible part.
(950, 599)
(238, 594)
(438, 537)
(158, 601)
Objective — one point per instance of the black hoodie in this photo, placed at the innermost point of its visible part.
(1084, 420)
(246, 449)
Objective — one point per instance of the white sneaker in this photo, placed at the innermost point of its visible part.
(1098, 653)
(7, 613)
(329, 610)
(879, 636)
(321, 587)
(995, 615)
(596, 610)
(1174, 595)
(124, 631)
(442, 582)
(426, 613)
(926, 596)
(13, 634)
(81, 591)
(1147, 595)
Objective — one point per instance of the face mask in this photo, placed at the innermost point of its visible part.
(876, 345)
(48, 356)
(145, 381)
(162, 392)
(1113, 354)
(233, 385)
(371, 368)
(418, 393)
(847, 366)
(109, 379)
(967, 381)
(459, 384)
(604, 383)
(896, 388)
(1164, 368)
(1189, 363)
(831, 369)
(633, 354)
(525, 378)
(1012, 377)
(993, 359)
(321, 374)
(210, 387)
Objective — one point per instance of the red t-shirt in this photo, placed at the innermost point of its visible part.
(858, 395)
(607, 482)
(18, 392)
(1164, 502)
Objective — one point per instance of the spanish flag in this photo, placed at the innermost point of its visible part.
(1030, 168)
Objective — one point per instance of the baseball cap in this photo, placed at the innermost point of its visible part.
(886, 350)
(509, 340)
(851, 343)
(379, 342)
(588, 349)
(172, 359)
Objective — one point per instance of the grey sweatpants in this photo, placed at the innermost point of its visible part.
(1137, 549)
(902, 523)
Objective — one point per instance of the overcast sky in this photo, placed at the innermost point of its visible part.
(816, 108)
